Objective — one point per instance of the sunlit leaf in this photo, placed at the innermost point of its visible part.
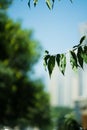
(51, 64)
(6, 61)
(48, 2)
(79, 53)
(18, 75)
(73, 60)
(14, 88)
(35, 2)
(62, 63)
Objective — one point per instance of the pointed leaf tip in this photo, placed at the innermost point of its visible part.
(51, 64)
(73, 60)
(35, 2)
(29, 3)
(49, 4)
(79, 56)
(82, 39)
(47, 52)
(46, 58)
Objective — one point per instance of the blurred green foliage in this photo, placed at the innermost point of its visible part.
(64, 119)
(58, 114)
(4, 4)
(22, 102)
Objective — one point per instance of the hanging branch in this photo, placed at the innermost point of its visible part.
(78, 55)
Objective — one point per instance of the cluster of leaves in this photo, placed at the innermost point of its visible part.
(78, 55)
(49, 3)
(70, 123)
(65, 119)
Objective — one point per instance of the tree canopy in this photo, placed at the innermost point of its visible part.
(4, 4)
(22, 101)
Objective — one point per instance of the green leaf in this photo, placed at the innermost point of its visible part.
(46, 60)
(51, 64)
(35, 2)
(79, 53)
(62, 64)
(75, 46)
(84, 54)
(73, 60)
(53, 3)
(48, 2)
(82, 39)
(47, 52)
(29, 3)
(58, 59)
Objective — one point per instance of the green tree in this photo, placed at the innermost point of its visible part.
(68, 124)
(4, 4)
(22, 101)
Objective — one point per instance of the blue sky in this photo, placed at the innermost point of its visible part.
(57, 29)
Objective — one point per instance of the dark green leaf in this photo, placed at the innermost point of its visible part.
(35, 2)
(82, 39)
(73, 60)
(51, 64)
(48, 2)
(29, 3)
(75, 46)
(79, 53)
(62, 64)
(46, 57)
(46, 60)
(85, 50)
(84, 54)
(58, 59)
(47, 52)
(53, 3)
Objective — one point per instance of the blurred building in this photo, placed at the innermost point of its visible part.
(64, 90)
